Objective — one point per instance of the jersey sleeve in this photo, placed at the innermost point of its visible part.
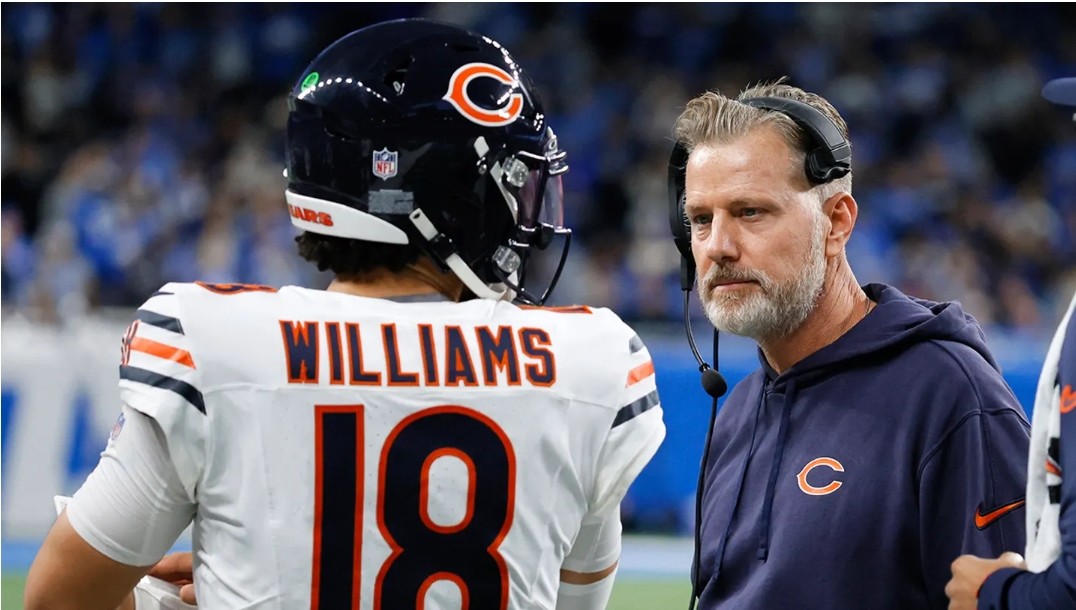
(159, 377)
(1055, 585)
(133, 506)
(596, 546)
(635, 433)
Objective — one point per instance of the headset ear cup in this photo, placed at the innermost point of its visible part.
(677, 218)
(815, 173)
(817, 170)
(832, 156)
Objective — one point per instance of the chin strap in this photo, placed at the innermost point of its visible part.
(442, 247)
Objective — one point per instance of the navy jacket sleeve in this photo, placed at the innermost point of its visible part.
(972, 483)
(1055, 587)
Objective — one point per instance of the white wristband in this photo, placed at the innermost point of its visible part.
(593, 596)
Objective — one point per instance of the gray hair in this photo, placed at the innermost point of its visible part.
(712, 117)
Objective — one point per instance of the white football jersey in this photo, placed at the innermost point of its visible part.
(350, 452)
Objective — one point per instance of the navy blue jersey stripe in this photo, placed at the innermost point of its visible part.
(636, 408)
(184, 389)
(156, 319)
(635, 344)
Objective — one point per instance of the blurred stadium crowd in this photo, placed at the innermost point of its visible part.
(144, 143)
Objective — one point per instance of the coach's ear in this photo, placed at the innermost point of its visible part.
(842, 211)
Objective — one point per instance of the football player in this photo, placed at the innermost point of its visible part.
(423, 433)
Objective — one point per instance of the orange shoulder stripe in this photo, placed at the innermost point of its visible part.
(160, 350)
(640, 373)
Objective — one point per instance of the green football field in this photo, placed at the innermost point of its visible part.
(629, 594)
(633, 594)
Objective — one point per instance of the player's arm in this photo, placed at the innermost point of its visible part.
(121, 521)
(586, 578)
(69, 573)
(588, 572)
(95, 569)
(169, 584)
(634, 434)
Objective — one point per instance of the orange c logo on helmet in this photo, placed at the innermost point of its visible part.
(457, 95)
(811, 490)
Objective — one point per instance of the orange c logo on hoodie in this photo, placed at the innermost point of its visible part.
(457, 95)
(811, 490)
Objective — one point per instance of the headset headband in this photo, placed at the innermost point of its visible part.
(831, 157)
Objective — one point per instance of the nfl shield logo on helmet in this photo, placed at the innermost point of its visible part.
(385, 163)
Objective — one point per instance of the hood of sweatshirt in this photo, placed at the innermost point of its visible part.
(896, 322)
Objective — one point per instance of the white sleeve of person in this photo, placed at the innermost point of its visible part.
(133, 505)
(635, 432)
(596, 548)
(593, 596)
(159, 377)
(150, 593)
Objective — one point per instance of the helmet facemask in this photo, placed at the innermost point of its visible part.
(532, 188)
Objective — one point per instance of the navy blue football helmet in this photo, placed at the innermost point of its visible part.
(418, 132)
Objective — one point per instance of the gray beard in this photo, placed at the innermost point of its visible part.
(777, 309)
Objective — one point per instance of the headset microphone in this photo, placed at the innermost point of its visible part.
(716, 385)
(712, 381)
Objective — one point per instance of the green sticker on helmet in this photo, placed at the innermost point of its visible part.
(310, 80)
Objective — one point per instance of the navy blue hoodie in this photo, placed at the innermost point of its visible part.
(853, 479)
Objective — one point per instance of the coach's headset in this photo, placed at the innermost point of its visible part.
(830, 158)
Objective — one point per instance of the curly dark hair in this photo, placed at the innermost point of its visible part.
(349, 258)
